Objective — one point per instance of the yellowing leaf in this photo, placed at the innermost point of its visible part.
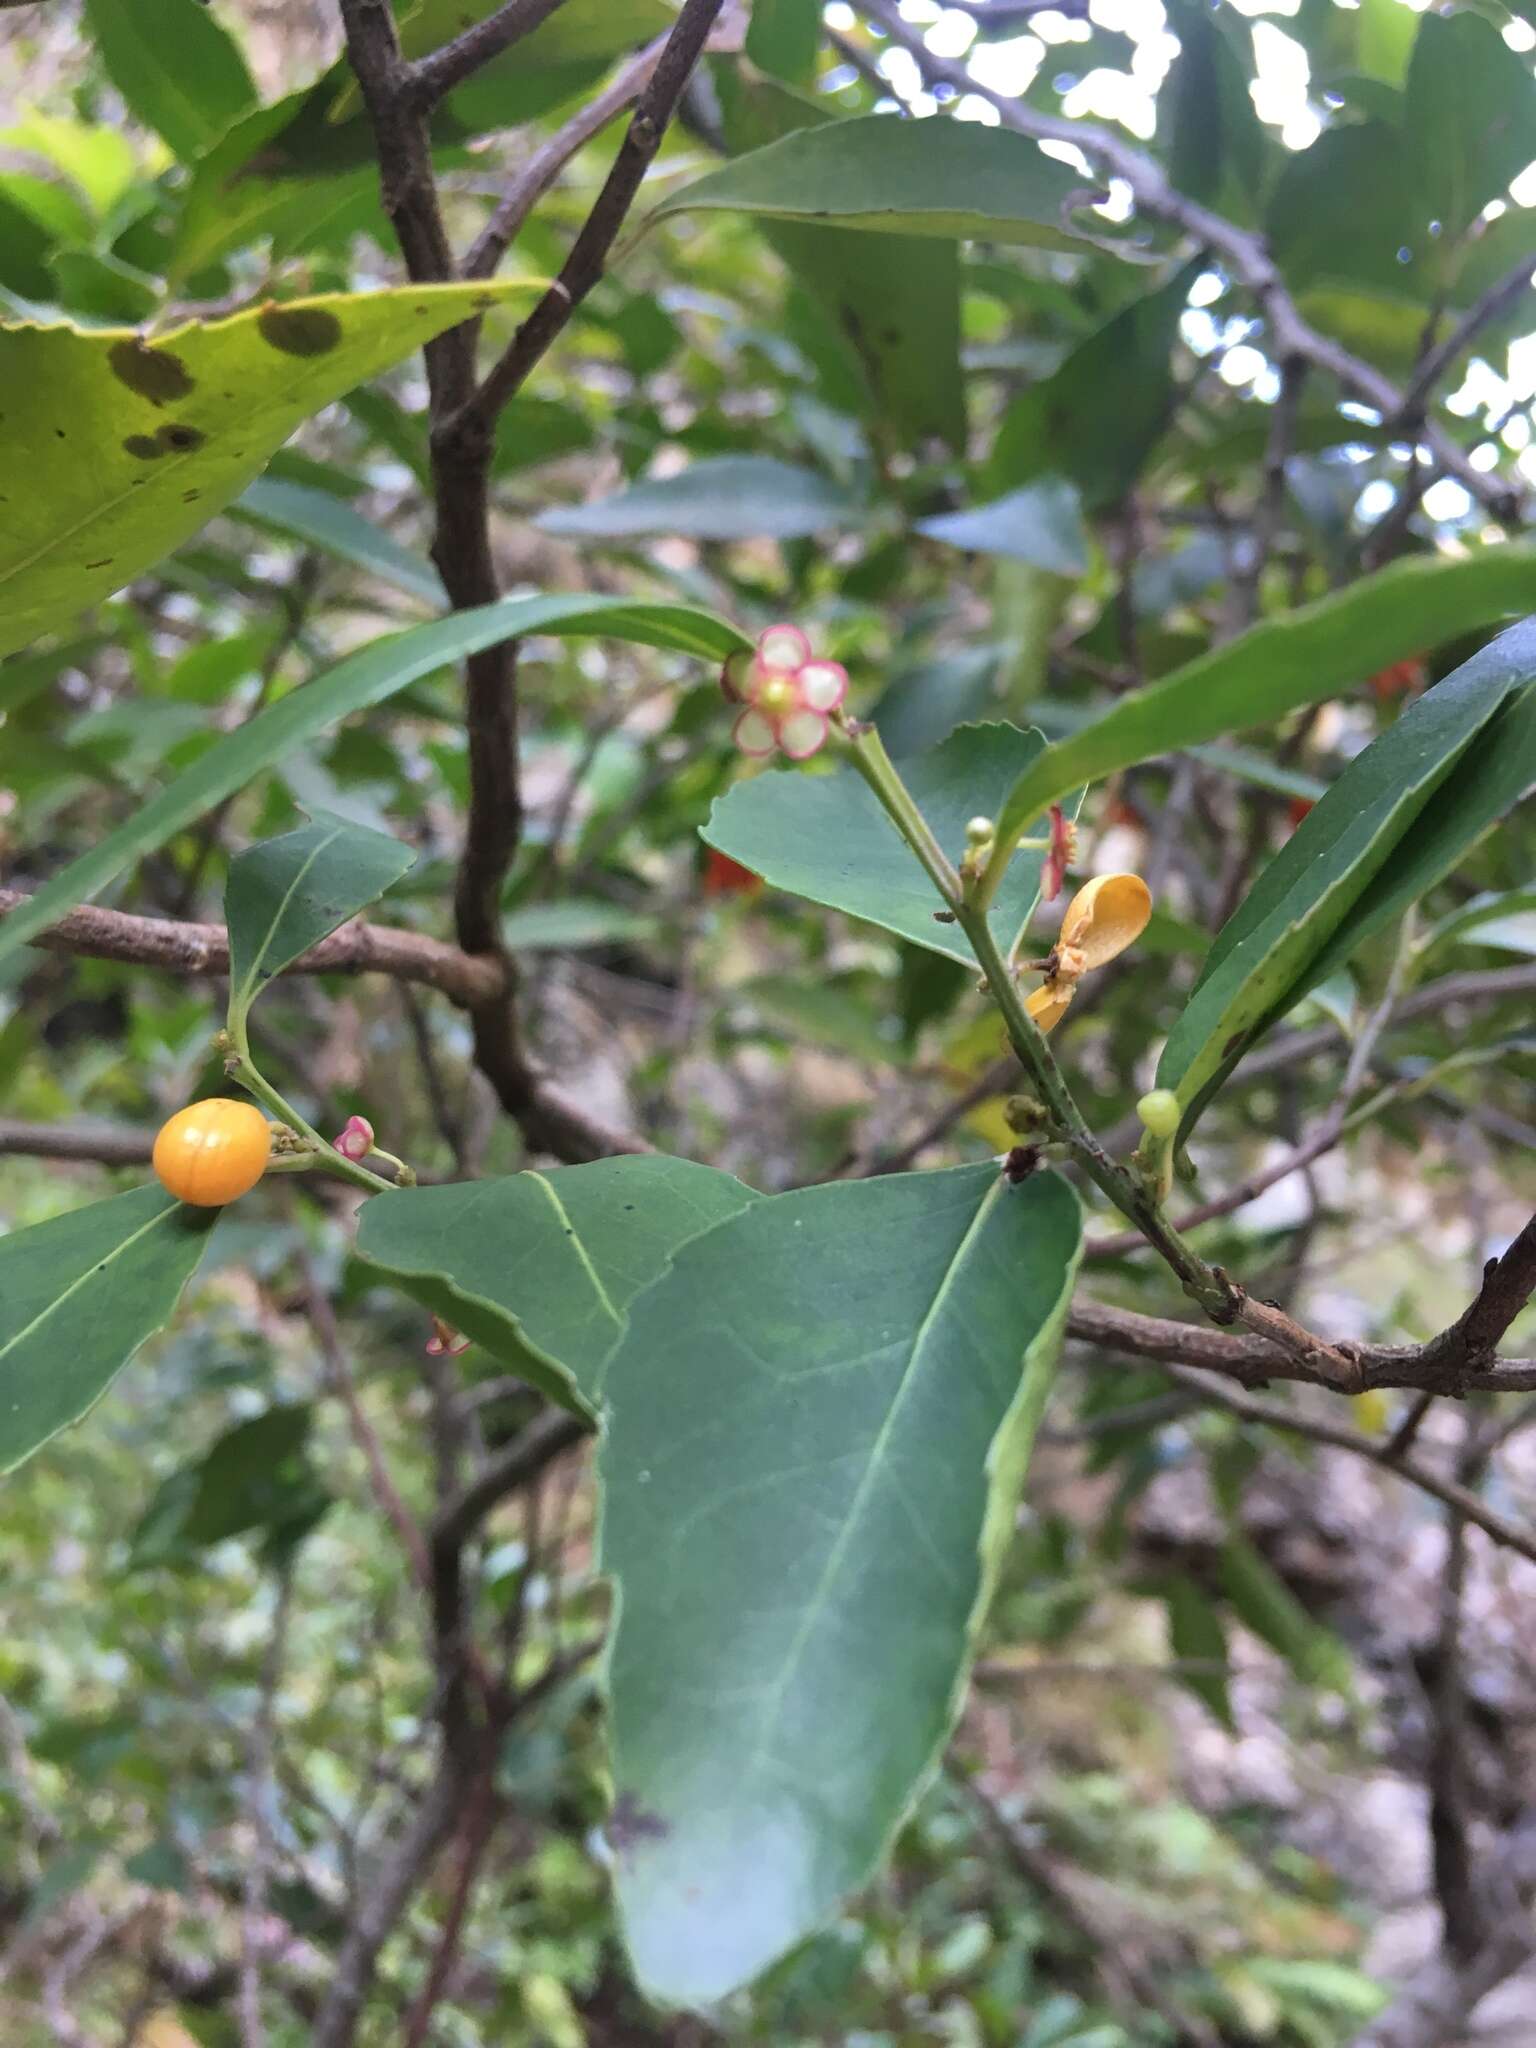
(118, 447)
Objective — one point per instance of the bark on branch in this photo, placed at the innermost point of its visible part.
(186, 949)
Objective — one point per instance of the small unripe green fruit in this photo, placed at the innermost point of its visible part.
(978, 831)
(1159, 1111)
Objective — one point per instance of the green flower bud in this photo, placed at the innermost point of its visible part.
(1159, 1111)
(979, 831)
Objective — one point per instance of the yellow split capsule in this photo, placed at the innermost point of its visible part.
(1104, 917)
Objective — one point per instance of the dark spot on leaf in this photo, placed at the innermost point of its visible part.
(630, 1823)
(104, 563)
(1232, 1044)
(482, 302)
(61, 433)
(891, 336)
(299, 330)
(154, 373)
(182, 437)
(144, 446)
(190, 497)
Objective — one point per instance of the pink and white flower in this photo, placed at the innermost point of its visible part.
(786, 692)
(355, 1141)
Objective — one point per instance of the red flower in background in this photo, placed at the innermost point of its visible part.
(726, 877)
(1399, 679)
(1298, 808)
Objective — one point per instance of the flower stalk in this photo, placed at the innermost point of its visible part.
(966, 906)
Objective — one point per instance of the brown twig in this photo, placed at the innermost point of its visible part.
(1273, 1415)
(1508, 1284)
(546, 163)
(1500, 298)
(188, 949)
(430, 78)
(1254, 1360)
(584, 266)
(483, 1809)
(340, 1382)
(401, 1871)
(101, 1144)
(516, 1465)
(462, 436)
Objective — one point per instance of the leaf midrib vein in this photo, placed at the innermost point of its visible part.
(856, 1507)
(83, 1280)
(247, 983)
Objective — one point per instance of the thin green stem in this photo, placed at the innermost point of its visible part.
(1129, 1192)
(241, 1067)
(878, 769)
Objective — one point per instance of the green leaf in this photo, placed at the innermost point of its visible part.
(1042, 523)
(572, 921)
(541, 1268)
(1384, 38)
(1504, 919)
(1471, 115)
(322, 520)
(580, 33)
(1308, 654)
(1215, 142)
(1195, 1634)
(367, 677)
(256, 1476)
(1272, 949)
(882, 317)
(287, 894)
(825, 837)
(78, 1296)
(102, 288)
(887, 175)
(1263, 1602)
(784, 37)
(1492, 776)
(281, 173)
(724, 497)
(175, 67)
(1315, 240)
(534, 430)
(925, 704)
(1097, 418)
(819, 1422)
(131, 446)
(24, 247)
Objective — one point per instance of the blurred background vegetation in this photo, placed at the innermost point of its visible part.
(1190, 1797)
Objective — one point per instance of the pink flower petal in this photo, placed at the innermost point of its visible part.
(754, 735)
(823, 685)
(782, 649)
(355, 1141)
(802, 733)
